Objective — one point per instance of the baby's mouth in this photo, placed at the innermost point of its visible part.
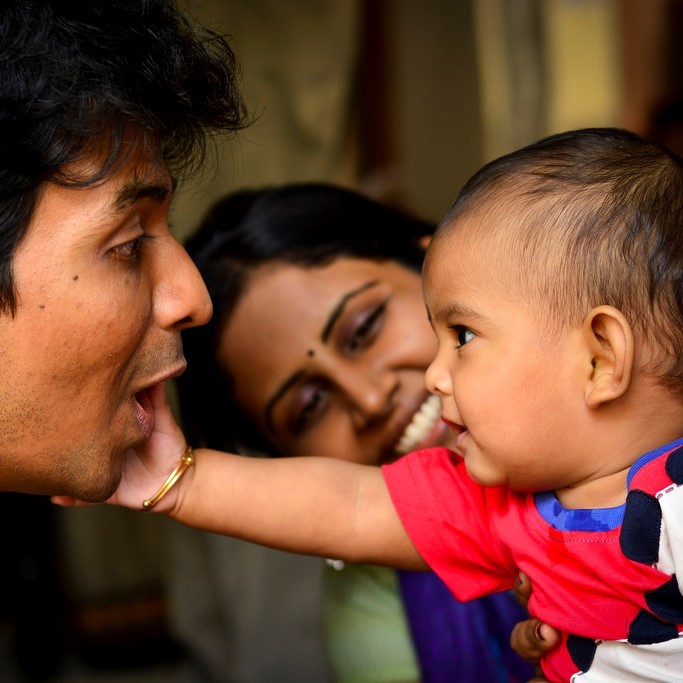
(460, 432)
(420, 426)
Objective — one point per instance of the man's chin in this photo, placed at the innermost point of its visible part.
(95, 491)
(95, 497)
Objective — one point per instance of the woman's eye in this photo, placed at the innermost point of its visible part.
(312, 406)
(463, 335)
(367, 329)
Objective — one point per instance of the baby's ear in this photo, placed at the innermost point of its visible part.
(609, 340)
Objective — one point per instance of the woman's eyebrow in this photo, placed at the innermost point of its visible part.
(339, 308)
(324, 336)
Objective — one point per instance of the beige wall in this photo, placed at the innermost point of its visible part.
(466, 81)
(310, 50)
(546, 66)
(298, 63)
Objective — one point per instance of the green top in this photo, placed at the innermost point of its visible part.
(367, 634)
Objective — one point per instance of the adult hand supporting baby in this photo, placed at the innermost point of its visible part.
(532, 638)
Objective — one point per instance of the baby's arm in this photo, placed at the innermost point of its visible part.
(317, 506)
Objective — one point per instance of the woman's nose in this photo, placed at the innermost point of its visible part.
(181, 297)
(371, 398)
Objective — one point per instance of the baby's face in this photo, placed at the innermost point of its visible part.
(509, 383)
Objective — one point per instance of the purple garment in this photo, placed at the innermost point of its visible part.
(462, 642)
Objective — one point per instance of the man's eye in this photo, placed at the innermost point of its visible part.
(130, 249)
(463, 335)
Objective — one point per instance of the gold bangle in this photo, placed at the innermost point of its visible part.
(186, 459)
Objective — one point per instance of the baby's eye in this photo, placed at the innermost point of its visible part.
(463, 335)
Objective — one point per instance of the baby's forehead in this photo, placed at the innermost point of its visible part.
(510, 217)
(498, 246)
(465, 247)
(479, 230)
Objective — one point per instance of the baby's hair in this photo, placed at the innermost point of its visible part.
(595, 217)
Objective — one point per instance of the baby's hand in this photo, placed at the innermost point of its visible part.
(147, 467)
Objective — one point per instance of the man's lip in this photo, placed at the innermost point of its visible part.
(175, 371)
(143, 403)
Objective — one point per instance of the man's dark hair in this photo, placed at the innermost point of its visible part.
(103, 79)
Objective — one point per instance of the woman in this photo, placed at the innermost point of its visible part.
(318, 345)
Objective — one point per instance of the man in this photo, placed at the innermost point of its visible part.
(101, 103)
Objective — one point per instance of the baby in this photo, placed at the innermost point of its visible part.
(555, 288)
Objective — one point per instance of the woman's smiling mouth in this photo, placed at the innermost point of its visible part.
(421, 426)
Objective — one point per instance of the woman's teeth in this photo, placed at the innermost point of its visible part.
(420, 426)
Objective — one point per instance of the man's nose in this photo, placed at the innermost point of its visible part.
(181, 297)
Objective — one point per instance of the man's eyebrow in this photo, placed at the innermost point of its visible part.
(339, 308)
(324, 336)
(137, 189)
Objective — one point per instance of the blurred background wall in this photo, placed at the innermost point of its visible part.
(406, 100)
(402, 100)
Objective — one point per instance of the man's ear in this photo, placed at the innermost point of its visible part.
(609, 342)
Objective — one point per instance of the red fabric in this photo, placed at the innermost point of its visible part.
(477, 538)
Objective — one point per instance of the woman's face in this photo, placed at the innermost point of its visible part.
(330, 361)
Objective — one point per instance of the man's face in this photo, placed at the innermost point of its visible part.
(103, 291)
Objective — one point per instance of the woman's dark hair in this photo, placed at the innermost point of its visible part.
(307, 225)
(103, 78)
